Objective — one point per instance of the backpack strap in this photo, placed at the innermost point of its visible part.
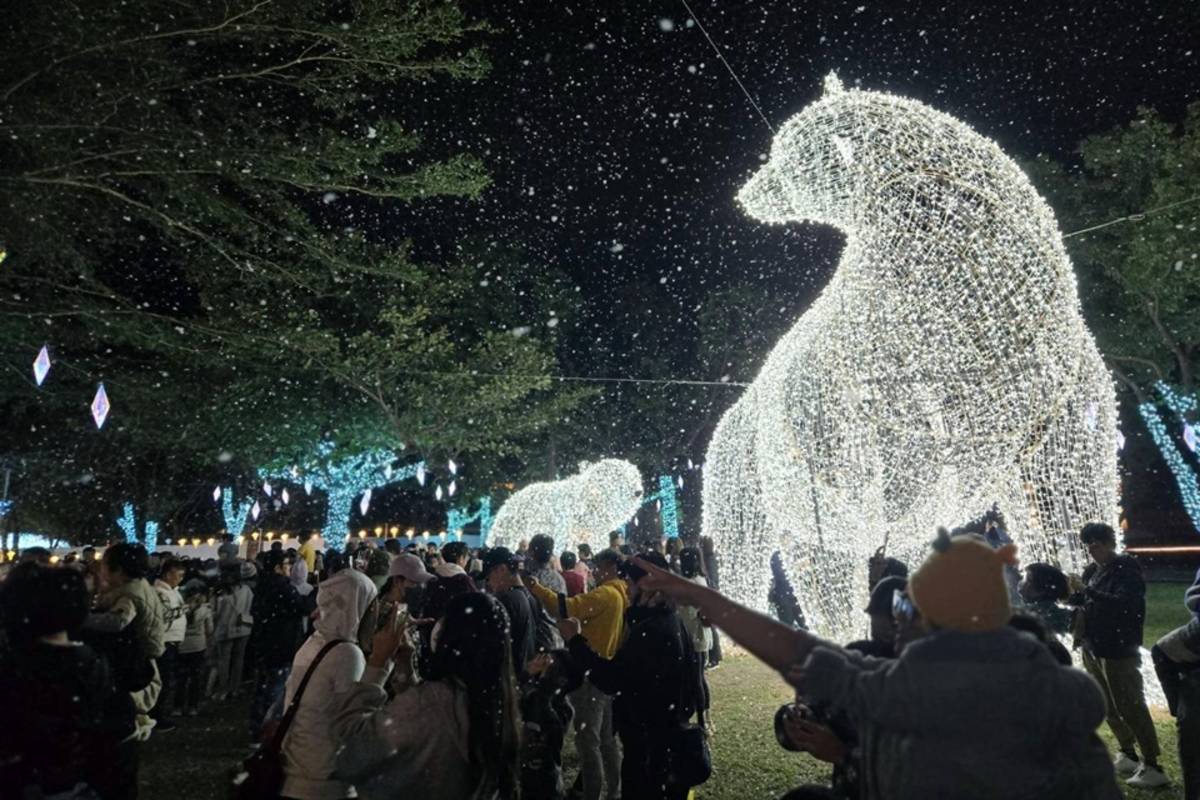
(290, 714)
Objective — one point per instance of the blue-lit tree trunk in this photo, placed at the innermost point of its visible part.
(342, 478)
(235, 519)
(128, 524)
(1181, 405)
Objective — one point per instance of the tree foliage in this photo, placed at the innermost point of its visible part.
(191, 196)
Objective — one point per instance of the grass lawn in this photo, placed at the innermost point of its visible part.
(196, 761)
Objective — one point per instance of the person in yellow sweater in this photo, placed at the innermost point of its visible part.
(602, 614)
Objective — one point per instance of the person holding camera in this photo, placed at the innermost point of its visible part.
(653, 681)
(601, 615)
(972, 678)
(1112, 602)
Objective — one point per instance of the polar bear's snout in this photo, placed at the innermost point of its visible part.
(765, 197)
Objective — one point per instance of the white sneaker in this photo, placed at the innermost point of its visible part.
(1148, 778)
(1124, 765)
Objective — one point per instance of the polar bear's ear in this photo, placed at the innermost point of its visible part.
(833, 85)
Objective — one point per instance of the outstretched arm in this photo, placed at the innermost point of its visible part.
(778, 645)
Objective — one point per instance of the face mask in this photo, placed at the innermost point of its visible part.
(414, 596)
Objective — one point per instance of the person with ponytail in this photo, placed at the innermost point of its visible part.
(455, 736)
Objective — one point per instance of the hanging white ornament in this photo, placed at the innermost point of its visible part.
(255, 510)
(41, 365)
(267, 488)
(217, 494)
(387, 472)
(452, 467)
(453, 488)
(421, 473)
(100, 407)
(438, 493)
(286, 497)
(365, 503)
(308, 487)
(1189, 436)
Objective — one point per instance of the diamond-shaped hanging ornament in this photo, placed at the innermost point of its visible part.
(286, 497)
(453, 487)
(217, 494)
(365, 503)
(421, 473)
(1189, 436)
(453, 467)
(388, 472)
(438, 493)
(41, 365)
(100, 406)
(308, 487)
(255, 510)
(1120, 441)
(680, 481)
(267, 488)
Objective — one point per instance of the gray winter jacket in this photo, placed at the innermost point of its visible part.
(984, 715)
(416, 745)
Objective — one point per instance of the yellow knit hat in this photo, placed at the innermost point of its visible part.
(961, 585)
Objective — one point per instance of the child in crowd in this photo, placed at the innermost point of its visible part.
(193, 651)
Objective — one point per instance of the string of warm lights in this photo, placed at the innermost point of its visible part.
(945, 368)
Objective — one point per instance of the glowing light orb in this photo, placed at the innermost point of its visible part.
(945, 367)
(582, 509)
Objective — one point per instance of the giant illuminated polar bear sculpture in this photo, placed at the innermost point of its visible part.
(945, 367)
(584, 508)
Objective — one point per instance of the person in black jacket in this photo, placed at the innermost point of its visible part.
(653, 680)
(64, 718)
(1112, 600)
(278, 611)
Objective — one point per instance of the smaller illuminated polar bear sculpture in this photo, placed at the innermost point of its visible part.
(945, 367)
(582, 509)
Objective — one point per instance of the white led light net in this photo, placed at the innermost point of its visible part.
(945, 367)
(582, 509)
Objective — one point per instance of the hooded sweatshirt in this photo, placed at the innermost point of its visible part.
(310, 747)
(601, 613)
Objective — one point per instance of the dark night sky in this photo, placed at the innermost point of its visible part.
(617, 140)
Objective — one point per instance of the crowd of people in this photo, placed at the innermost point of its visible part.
(450, 672)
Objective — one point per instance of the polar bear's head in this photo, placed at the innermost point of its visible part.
(813, 171)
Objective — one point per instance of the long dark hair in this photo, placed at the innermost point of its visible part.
(474, 648)
(691, 562)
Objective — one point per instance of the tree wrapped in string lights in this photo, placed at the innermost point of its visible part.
(583, 508)
(460, 517)
(343, 478)
(945, 367)
(235, 518)
(128, 524)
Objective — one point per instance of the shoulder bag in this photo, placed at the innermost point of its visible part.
(262, 772)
